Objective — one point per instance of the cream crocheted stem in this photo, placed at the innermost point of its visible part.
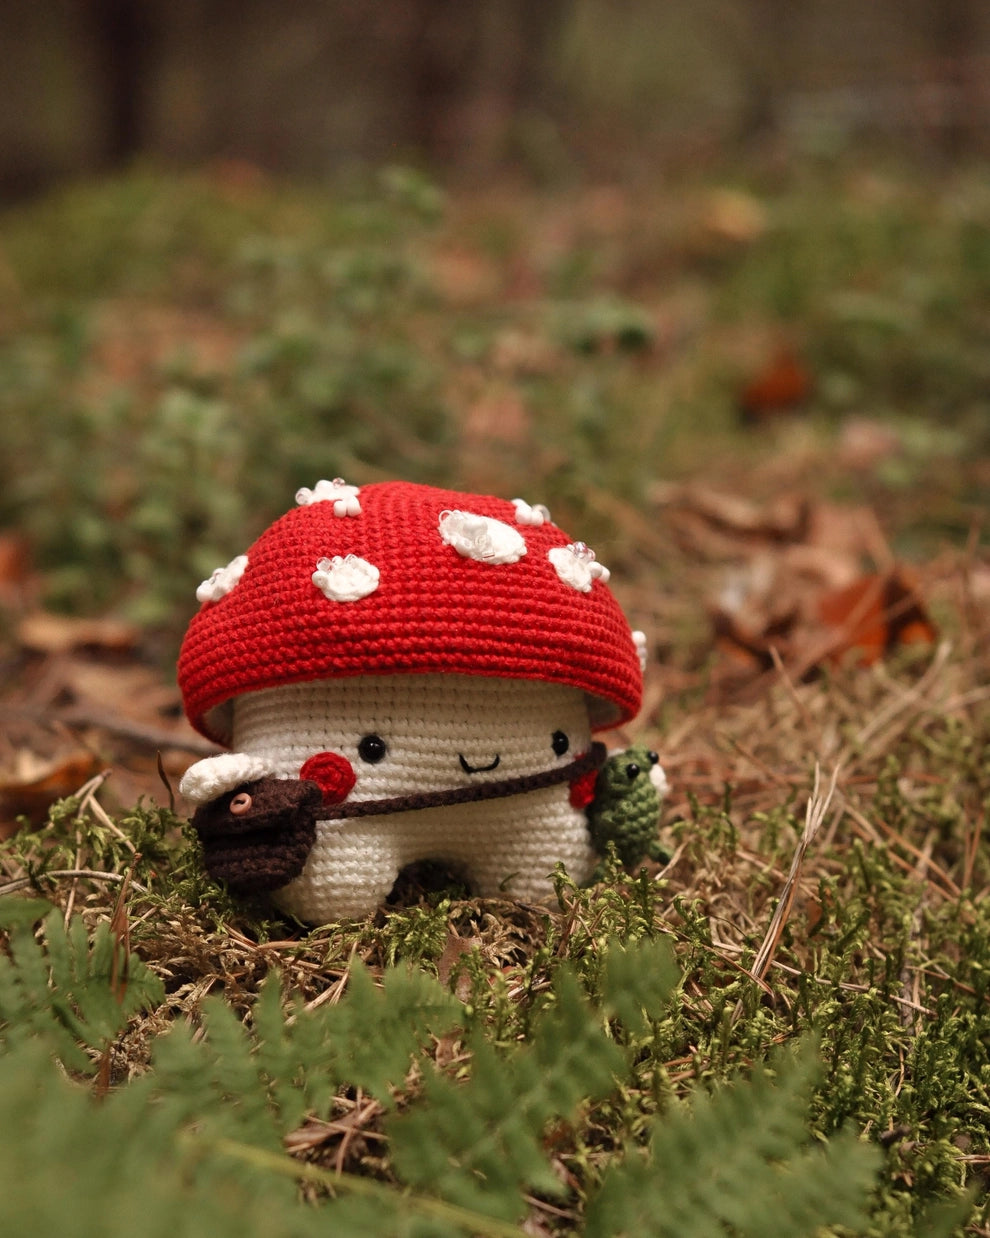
(523, 785)
(507, 844)
(504, 848)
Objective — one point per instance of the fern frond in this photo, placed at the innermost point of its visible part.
(254, 1083)
(944, 1218)
(735, 1163)
(76, 1167)
(637, 982)
(478, 1144)
(65, 987)
(366, 1206)
(403, 1011)
(195, 1146)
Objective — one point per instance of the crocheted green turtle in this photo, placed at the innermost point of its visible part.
(625, 810)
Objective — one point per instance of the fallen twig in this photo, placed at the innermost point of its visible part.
(24, 883)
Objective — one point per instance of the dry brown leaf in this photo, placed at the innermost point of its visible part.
(785, 519)
(799, 628)
(781, 386)
(30, 784)
(454, 950)
(865, 443)
(852, 531)
(793, 594)
(128, 688)
(44, 632)
(734, 216)
(752, 646)
(874, 616)
(15, 560)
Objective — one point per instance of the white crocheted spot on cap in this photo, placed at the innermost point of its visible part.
(481, 537)
(222, 580)
(346, 578)
(534, 515)
(577, 566)
(343, 497)
(642, 649)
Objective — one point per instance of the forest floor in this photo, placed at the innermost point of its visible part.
(762, 401)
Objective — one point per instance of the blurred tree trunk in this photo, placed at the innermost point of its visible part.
(306, 86)
(123, 42)
(763, 52)
(469, 67)
(955, 30)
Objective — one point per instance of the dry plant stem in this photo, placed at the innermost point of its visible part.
(867, 830)
(87, 797)
(70, 901)
(23, 883)
(913, 697)
(153, 737)
(120, 928)
(793, 693)
(541, 1205)
(361, 1113)
(846, 985)
(316, 1132)
(165, 781)
(817, 810)
(89, 803)
(971, 850)
(641, 533)
(963, 700)
(771, 774)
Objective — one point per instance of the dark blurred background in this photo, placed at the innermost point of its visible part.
(314, 87)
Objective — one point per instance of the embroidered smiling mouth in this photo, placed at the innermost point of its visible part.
(594, 758)
(468, 768)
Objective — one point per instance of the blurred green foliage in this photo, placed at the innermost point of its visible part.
(137, 479)
(889, 278)
(179, 354)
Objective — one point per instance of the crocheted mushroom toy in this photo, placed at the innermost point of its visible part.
(403, 674)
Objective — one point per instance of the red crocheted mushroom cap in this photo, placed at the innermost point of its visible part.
(403, 578)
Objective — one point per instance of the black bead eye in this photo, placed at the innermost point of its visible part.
(372, 749)
(654, 758)
(560, 743)
(632, 771)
